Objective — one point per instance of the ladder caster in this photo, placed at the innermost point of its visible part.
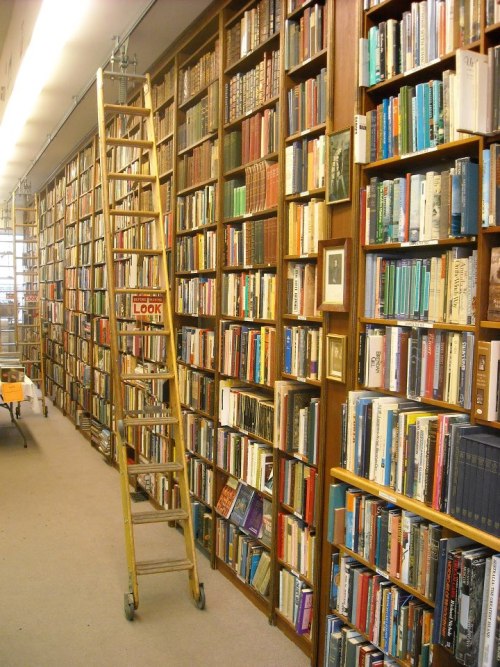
(128, 605)
(18, 412)
(200, 602)
(46, 412)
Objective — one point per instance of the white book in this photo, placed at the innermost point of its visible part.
(363, 63)
(471, 76)
(359, 144)
(491, 612)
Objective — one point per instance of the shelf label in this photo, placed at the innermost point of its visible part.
(411, 244)
(420, 67)
(302, 317)
(382, 573)
(301, 379)
(415, 324)
(147, 305)
(295, 573)
(304, 194)
(387, 496)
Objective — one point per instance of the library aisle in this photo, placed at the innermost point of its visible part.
(63, 573)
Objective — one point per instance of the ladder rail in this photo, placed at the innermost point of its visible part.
(175, 405)
(113, 343)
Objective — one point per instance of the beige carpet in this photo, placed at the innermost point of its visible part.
(63, 574)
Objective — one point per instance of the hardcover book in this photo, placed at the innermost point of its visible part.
(494, 288)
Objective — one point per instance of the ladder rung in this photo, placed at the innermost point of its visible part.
(118, 176)
(147, 376)
(149, 421)
(144, 468)
(24, 208)
(133, 213)
(135, 143)
(127, 109)
(140, 332)
(137, 251)
(109, 74)
(159, 516)
(139, 290)
(157, 566)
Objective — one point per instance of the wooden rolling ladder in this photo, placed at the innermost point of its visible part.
(27, 302)
(136, 298)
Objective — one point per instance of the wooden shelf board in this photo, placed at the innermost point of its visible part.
(418, 507)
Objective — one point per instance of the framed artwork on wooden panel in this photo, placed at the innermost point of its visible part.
(339, 166)
(334, 274)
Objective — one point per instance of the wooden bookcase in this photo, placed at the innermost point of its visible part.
(435, 158)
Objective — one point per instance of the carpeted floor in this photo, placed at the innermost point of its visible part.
(63, 573)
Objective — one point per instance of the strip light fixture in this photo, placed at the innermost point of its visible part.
(55, 25)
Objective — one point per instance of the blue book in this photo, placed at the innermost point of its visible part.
(420, 116)
(469, 203)
(288, 350)
(485, 207)
(336, 500)
(455, 205)
(385, 128)
(426, 116)
(386, 461)
(372, 46)
(257, 358)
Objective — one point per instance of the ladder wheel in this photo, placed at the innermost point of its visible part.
(18, 412)
(128, 606)
(200, 602)
(46, 412)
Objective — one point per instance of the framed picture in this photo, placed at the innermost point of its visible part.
(339, 161)
(333, 274)
(336, 355)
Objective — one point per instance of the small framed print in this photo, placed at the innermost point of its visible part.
(333, 274)
(339, 166)
(336, 355)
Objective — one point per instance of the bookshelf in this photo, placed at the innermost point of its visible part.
(405, 372)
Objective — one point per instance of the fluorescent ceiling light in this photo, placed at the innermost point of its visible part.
(54, 28)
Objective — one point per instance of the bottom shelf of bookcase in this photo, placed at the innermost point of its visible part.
(304, 642)
(260, 602)
(416, 506)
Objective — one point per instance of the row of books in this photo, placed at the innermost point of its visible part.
(196, 389)
(199, 165)
(196, 253)
(252, 242)
(307, 103)
(249, 295)
(297, 420)
(197, 209)
(258, 137)
(439, 288)
(422, 207)
(306, 36)
(242, 505)
(246, 459)
(418, 118)
(306, 226)
(301, 286)
(246, 410)
(397, 542)
(419, 363)
(295, 601)
(164, 122)
(296, 544)
(195, 296)
(197, 76)
(424, 33)
(247, 352)
(466, 619)
(200, 479)
(200, 120)
(346, 647)
(389, 617)
(477, 106)
(437, 458)
(302, 352)
(255, 26)
(298, 488)
(305, 165)
(199, 434)
(163, 88)
(196, 347)
(253, 565)
(246, 91)
(258, 191)
(165, 155)
(202, 524)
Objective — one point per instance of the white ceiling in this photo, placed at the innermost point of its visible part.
(66, 110)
